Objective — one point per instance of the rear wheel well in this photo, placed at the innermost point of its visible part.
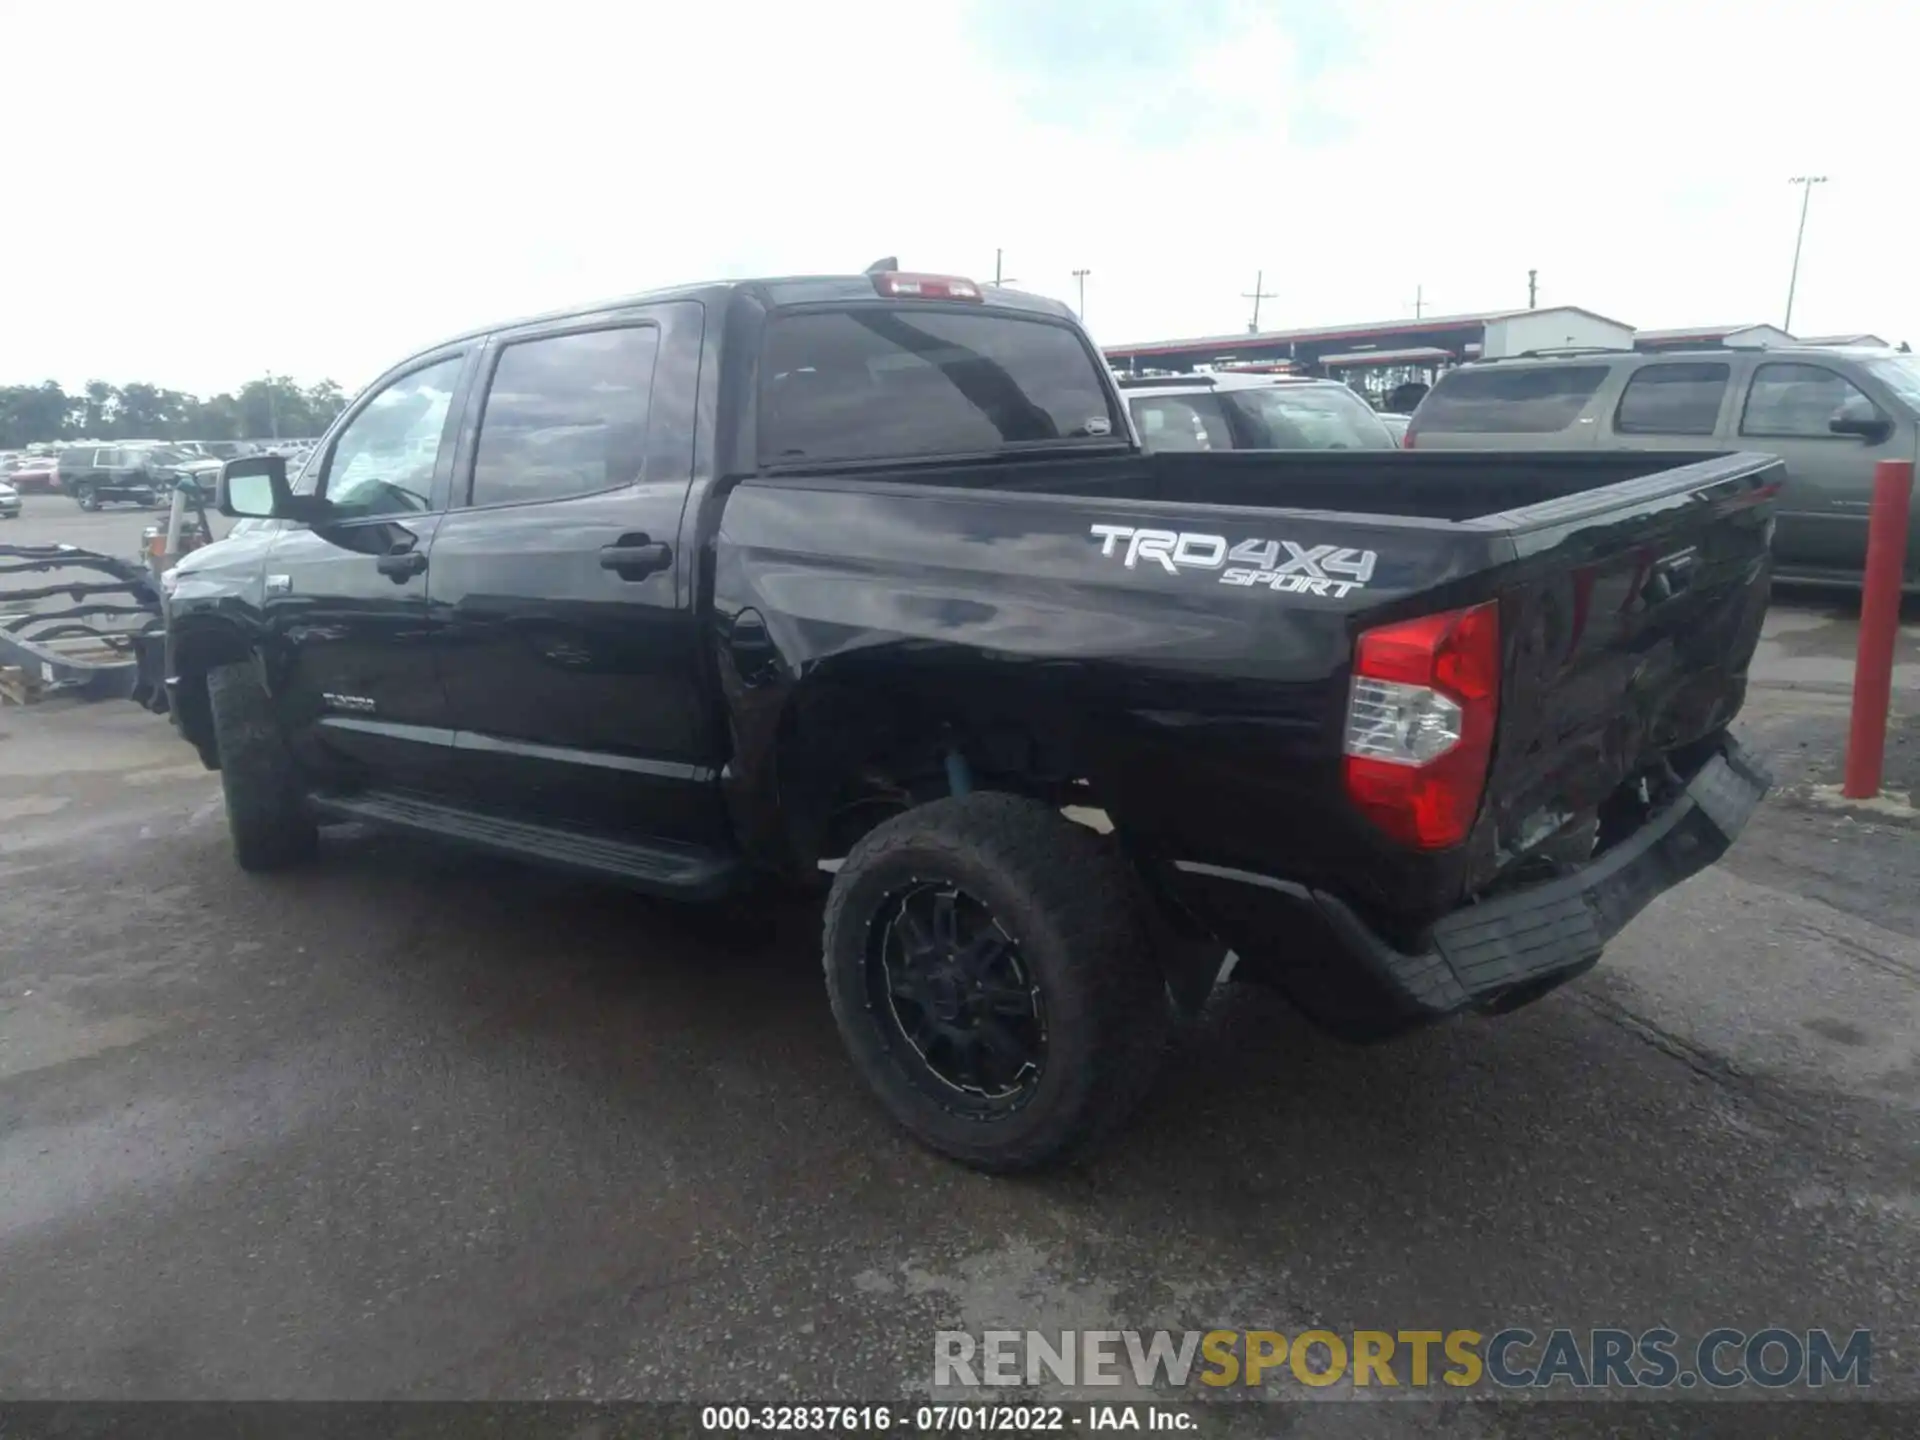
(851, 759)
(195, 654)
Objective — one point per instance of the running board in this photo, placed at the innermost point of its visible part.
(682, 872)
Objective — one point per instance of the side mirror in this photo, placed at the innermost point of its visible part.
(1869, 425)
(254, 488)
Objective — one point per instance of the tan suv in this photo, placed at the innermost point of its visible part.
(1830, 414)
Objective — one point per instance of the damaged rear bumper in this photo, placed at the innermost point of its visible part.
(1491, 956)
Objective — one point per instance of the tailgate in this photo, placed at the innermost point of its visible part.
(1629, 625)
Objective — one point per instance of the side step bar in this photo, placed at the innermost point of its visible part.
(661, 867)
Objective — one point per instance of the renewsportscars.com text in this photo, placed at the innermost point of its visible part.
(1772, 1358)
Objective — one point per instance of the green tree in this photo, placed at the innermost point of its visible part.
(148, 410)
(273, 408)
(215, 419)
(98, 408)
(324, 404)
(31, 413)
(276, 405)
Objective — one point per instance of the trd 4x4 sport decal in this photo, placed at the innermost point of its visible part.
(1330, 570)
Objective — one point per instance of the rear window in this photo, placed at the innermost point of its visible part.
(1672, 399)
(1180, 422)
(884, 382)
(1316, 417)
(1536, 400)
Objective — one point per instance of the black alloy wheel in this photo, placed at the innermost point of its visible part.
(962, 1003)
(992, 975)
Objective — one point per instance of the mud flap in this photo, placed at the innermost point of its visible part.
(150, 680)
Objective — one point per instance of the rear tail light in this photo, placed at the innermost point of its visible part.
(1406, 439)
(904, 286)
(1420, 719)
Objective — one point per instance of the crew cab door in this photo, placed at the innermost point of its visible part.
(345, 604)
(560, 588)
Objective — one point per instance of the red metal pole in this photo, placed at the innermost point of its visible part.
(1879, 627)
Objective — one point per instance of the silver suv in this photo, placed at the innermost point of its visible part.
(1830, 414)
(1224, 411)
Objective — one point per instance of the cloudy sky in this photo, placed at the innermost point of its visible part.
(197, 192)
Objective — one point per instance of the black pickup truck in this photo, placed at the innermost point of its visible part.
(866, 577)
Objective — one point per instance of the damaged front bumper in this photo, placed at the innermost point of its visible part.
(1493, 955)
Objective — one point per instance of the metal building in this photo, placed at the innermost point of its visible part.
(1376, 358)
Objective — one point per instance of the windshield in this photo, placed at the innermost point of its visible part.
(1309, 417)
(1902, 376)
(881, 381)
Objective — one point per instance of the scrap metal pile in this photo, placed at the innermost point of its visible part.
(105, 642)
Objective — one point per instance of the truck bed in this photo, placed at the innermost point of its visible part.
(1209, 695)
(1453, 486)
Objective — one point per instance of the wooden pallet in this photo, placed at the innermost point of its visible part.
(20, 685)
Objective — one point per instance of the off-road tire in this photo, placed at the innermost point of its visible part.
(267, 814)
(1074, 910)
(85, 498)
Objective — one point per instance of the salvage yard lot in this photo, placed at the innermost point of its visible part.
(412, 1123)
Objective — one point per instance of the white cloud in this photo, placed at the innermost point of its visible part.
(318, 189)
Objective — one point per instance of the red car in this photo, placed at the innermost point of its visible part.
(36, 473)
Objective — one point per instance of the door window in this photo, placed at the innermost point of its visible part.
(382, 463)
(566, 416)
(1799, 402)
(1672, 399)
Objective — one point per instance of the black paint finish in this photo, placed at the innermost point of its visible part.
(639, 664)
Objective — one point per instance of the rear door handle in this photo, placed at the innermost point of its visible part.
(635, 557)
(401, 565)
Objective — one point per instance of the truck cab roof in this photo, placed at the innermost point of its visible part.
(778, 292)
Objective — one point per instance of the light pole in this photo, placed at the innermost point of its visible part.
(1081, 277)
(1256, 295)
(1806, 184)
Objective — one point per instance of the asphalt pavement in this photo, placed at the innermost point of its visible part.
(412, 1124)
(114, 530)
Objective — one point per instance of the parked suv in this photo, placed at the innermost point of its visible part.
(1251, 412)
(214, 449)
(1829, 414)
(96, 475)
